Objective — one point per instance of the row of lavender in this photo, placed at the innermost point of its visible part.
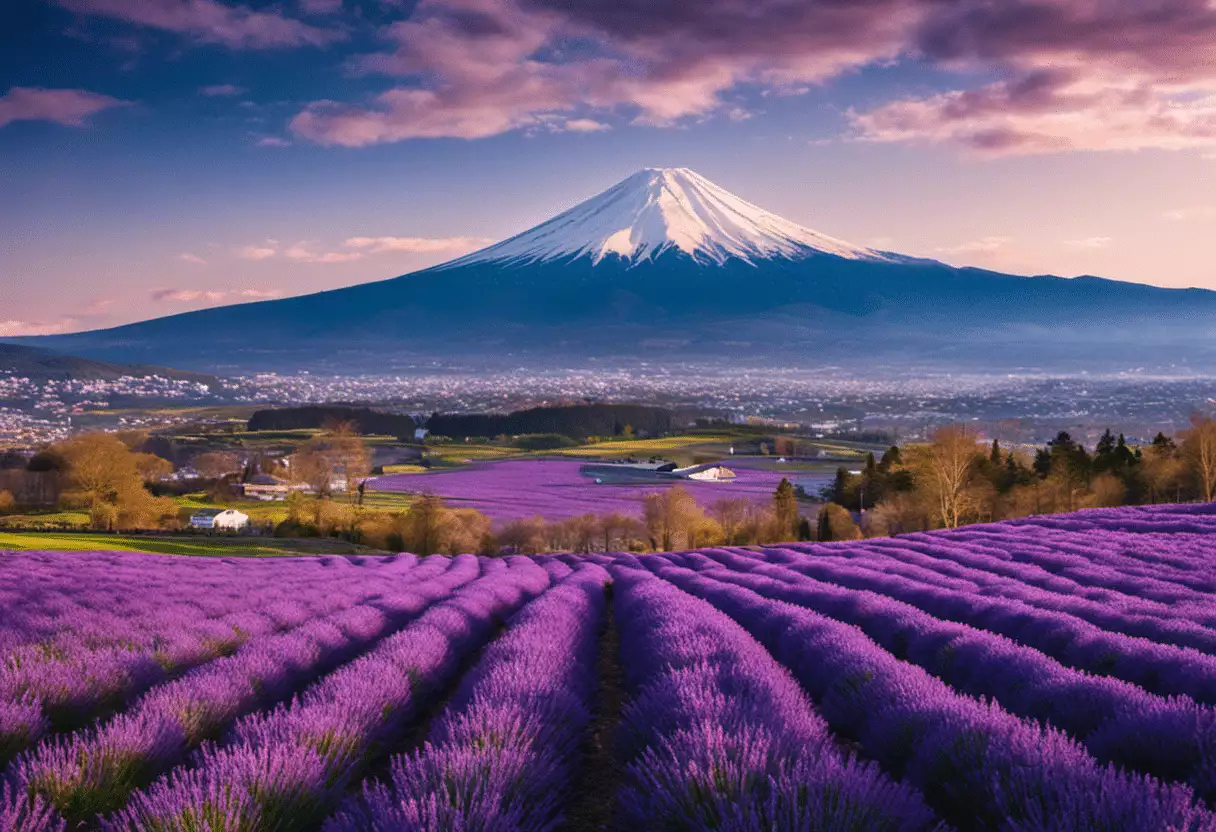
(886, 686)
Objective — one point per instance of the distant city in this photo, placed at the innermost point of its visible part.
(1024, 408)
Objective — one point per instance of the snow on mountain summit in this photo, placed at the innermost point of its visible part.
(659, 209)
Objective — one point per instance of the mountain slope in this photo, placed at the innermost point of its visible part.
(41, 365)
(667, 265)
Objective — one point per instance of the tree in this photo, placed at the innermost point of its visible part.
(214, 465)
(1199, 451)
(1162, 469)
(731, 514)
(422, 525)
(785, 509)
(617, 527)
(338, 455)
(110, 478)
(6, 500)
(835, 523)
(948, 461)
(671, 516)
(525, 535)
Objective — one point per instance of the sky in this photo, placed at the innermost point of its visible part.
(158, 156)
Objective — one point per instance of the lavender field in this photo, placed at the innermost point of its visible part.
(1052, 673)
(555, 490)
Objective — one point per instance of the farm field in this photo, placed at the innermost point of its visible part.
(205, 545)
(554, 488)
(1056, 672)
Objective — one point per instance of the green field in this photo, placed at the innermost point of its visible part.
(256, 547)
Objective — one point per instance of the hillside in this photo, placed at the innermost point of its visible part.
(41, 364)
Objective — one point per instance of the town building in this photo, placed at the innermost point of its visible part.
(220, 519)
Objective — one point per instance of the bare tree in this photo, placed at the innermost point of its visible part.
(671, 517)
(731, 514)
(947, 462)
(1199, 449)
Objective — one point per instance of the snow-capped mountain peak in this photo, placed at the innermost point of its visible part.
(657, 210)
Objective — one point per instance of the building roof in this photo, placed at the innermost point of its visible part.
(209, 512)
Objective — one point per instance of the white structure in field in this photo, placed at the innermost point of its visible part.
(708, 473)
(223, 519)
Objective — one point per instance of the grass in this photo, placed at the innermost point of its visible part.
(405, 468)
(387, 500)
(167, 545)
(460, 451)
(643, 447)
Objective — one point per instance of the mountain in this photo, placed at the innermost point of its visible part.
(43, 365)
(667, 266)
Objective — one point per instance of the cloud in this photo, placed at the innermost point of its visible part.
(273, 141)
(584, 125)
(70, 107)
(1062, 75)
(186, 295)
(1047, 112)
(97, 307)
(478, 69)
(221, 90)
(1089, 242)
(13, 328)
(1200, 212)
(417, 245)
(191, 258)
(211, 295)
(257, 252)
(984, 245)
(210, 21)
(1077, 75)
(303, 254)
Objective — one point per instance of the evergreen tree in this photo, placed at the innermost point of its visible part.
(995, 456)
(804, 529)
(890, 458)
(785, 507)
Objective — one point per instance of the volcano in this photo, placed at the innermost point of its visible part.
(667, 266)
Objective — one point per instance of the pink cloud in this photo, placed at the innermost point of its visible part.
(211, 295)
(13, 328)
(303, 254)
(70, 107)
(192, 258)
(984, 245)
(482, 75)
(1089, 242)
(1048, 113)
(210, 21)
(1075, 74)
(257, 252)
(417, 245)
(187, 295)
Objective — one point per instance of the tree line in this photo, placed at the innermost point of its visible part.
(954, 479)
(576, 422)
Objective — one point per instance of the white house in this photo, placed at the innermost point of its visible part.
(225, 519)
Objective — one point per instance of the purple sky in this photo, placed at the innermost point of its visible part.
(164, 155)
